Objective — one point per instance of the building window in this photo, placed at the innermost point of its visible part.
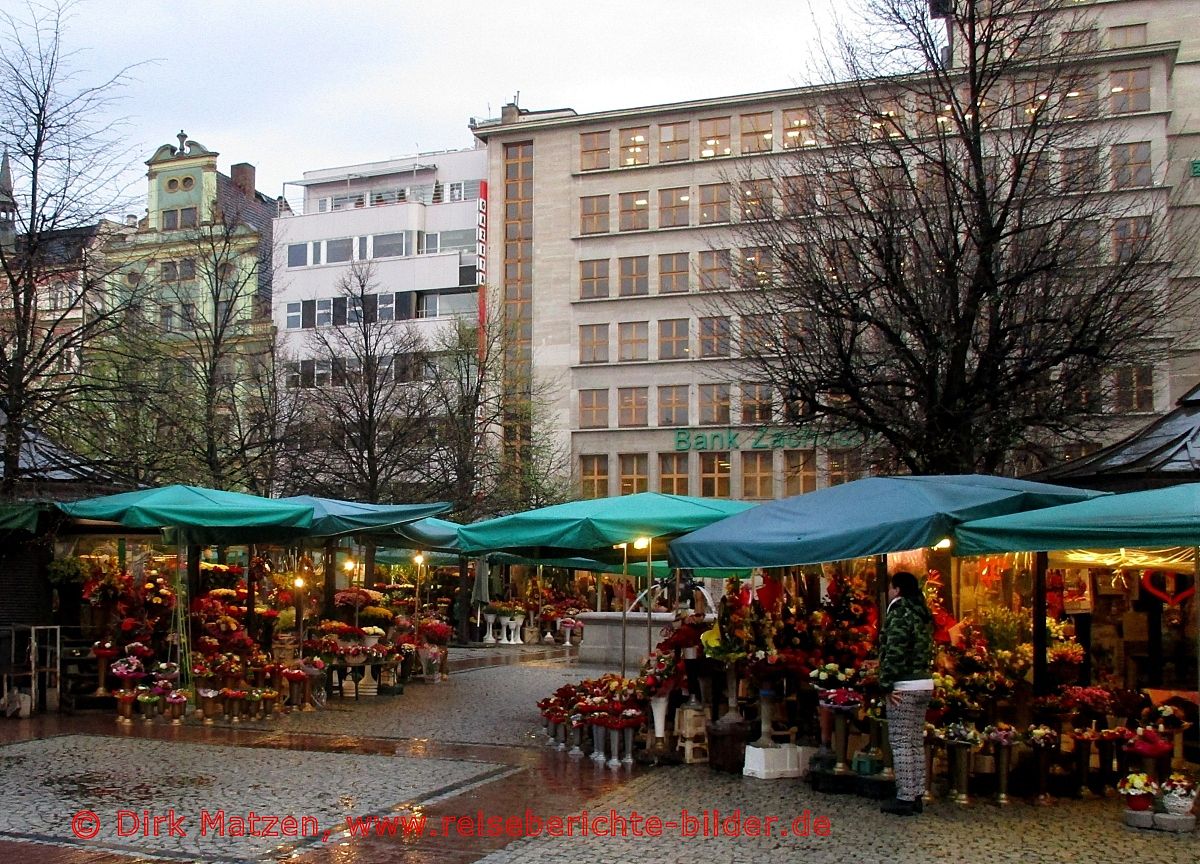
(1079, 449)
(634, 276)
(388, 245)
(1128, 36)
(187, 268)
(757, 406)
(1130, 237)
(1133, 389)
(673, 473)
(888, 122)
(385, 307)
(297, 254)
(798, 195)
(799, 472)
(184, 217)
(166, 318)
(293, 316)
(633, 340)
(756, 199)
(758, 475)
(673, 405)
(632, 403)
(714, 270)
(799, 128)
(755, 267)
(714, 404)
(339, 251)
(844, 466)
(673, 207)
(593, 150)
(593, 278)
(593, 343)
(1131, 165)
(756, 336)
(316, 252)
(593, 476)
(1129, 90)
(714, 475)
(756, 132)
(325, 312)
(674, 144)
(673, 273)
(170, 272)
(1080, 169)
(714, 137)
(593, 214)
(714, 203)
(673, 339)
(714, 336)
(1080, 101)
(323, 373)
(593, 409)
(635, 211)
(635, 472)
(635, 146)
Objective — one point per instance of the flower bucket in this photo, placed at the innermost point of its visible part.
(1178, 805)
(1139, 803)
(658, 706)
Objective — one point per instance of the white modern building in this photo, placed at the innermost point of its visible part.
(418, 223)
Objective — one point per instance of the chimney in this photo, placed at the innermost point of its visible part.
(510, 113)
(131, 220)
(242, 175)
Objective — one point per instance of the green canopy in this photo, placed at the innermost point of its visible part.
(565, 530)
(871, 516)
(332, 517)
(20, 517)
(200, 515)
(1156, 518)
(430, 534)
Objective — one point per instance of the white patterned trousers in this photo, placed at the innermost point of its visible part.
(906, 735)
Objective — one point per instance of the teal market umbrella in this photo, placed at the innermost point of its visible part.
(871, 516)
(332, 517)
(198, 515)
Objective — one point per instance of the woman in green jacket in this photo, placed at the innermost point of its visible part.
(905, 664)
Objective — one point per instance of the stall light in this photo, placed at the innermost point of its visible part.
(298, 582)
(418, 559)
(641, 543)
(349, 565)
(944, 543)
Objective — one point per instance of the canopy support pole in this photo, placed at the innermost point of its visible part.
(1039, 623)
(250, 616)
(462, 601)
(624, 603)
(649, 598)
(330, 586)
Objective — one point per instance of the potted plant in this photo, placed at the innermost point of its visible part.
(1179, 794)
(1138, 789)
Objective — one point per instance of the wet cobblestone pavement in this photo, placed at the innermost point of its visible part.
(457, 751)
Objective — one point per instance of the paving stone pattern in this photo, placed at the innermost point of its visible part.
(90, 772)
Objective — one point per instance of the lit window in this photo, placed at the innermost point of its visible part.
(635, 276)
(757, 338)
(1133, 389)
(593, 278)
(757, 403)
(1129, 91)
(1080, 102)
(714, 475)
(635, 146)
(714, 404)
(633, 340)
(593, 476)
(799, 128)
(673, 207)
(672, 339)
(888, 123)
(714, 203)
(674, 144)
(593, 214)
(593, 409)
(758, 476)
(714, 137)
(673, 473)
(756, 132)
(634, 473)
(673, 273)
(593, 150)
(632, 404)
(673, 405)
(593, 343)
(756, 199)
(844, 466)
(635, 211)
(755, 267)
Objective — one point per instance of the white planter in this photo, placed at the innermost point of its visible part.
(519, 622)
(658, 707)
(489, 621)
(509, 624)
(1178, 805)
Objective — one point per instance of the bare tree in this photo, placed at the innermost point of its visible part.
(66, 159)
(938, 262)
(269, 427)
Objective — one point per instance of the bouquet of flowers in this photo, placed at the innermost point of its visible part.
(167, 671)
(176, 697)
(1065, 652)
(1179, 785)
(128, 668)
(352, 598)
(1117, 733)
(831, 674)
(435, 632)
(961, 733)
(373, 631)
(1137, 784)
(105, 649)
(1001, 734)
(1041, 737)
(1165, 716)
(1147, 742)
(842, 697)
(139, 649)
(1094, 700)
(660, 674)
(629, 718)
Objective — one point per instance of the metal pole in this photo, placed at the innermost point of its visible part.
(624, 602)
(649, 594)
(1039, 623)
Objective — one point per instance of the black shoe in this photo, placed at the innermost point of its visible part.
(898, 807)
(919, 805)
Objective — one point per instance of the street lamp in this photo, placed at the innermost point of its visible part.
(644, 543)
(298, 596)
(419, 560)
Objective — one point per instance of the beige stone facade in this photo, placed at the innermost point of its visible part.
(627, 218)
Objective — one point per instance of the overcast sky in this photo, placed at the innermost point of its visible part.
(306, 84)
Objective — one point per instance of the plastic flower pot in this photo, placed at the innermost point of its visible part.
(1140, 802)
